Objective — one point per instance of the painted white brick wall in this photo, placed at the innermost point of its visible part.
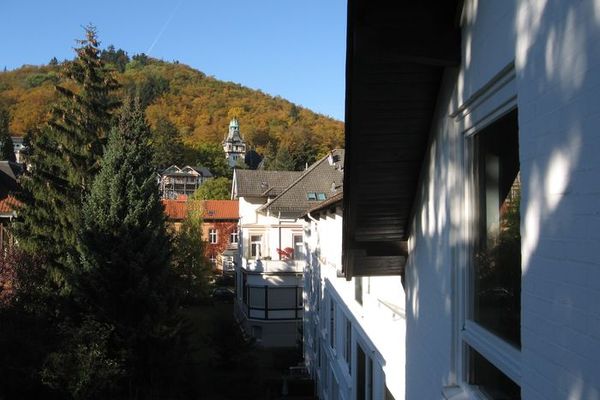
(559, 82)
(555, 46)
(375, 327)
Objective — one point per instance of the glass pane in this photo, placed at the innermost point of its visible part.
(497, 274)
(490, 380)
(282, 298)
(257, 297)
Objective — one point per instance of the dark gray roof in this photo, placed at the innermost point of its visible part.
(323, 177)
(11, 169)
(259, 183)
(202, 171)
(9, 172)
(174, 170)
(335, 199)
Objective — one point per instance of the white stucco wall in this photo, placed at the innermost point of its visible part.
(273, 273)
(276, 233)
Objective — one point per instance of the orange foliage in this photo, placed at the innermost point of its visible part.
(199, 106)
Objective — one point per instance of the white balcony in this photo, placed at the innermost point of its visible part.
(253, 265)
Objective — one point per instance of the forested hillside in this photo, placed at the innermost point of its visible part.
(191, 109)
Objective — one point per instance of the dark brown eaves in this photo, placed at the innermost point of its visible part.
(396, 55)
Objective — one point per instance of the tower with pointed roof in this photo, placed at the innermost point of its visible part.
(233, 145)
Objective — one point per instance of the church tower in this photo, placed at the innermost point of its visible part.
(233, 145)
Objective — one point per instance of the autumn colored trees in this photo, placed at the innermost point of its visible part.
(197, 106)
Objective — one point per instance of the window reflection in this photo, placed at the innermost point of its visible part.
(497, 274)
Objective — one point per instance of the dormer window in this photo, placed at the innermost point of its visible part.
(316, 196)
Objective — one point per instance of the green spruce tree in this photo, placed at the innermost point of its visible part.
(7, 152)
(283, 161)
(125, 279)
(65, 156)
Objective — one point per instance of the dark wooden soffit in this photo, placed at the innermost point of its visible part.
(396, 54)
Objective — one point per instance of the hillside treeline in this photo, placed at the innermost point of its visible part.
(192, 109)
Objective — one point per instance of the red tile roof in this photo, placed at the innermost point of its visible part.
(176, 210)
(221, 209)
(8, 205)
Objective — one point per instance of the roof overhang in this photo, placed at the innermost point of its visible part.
(396, 54)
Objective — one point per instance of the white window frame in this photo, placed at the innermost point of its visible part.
(298, 246)
(492, 102)
(213, 236)
(234, 237)
(256, 246)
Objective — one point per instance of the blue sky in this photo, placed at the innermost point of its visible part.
(294, 49)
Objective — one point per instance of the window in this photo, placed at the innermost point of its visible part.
(492, 330)
(348, 346)
(320, 196)
(298, 247)
(496, 275)
(234, 237)
(364, 375)
(255, 244)
(358, 289)
(213, 259)
(331, 323)
(490, 380)
(212, 236)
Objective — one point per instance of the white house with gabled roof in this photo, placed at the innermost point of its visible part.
(269, 273)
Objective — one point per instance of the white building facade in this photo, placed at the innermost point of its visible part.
(268, 302)
(501, 274)
(353, 330)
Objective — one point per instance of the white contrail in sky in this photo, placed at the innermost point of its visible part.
(162, 30)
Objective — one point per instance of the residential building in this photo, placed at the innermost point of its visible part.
(220, 230)
(9, 172)
(19, 148)
(233, 145)
(471, 178)
(175, 181)
(352, 328)
(262, 276)
(176, 211)
(219, 227)
(269, 276)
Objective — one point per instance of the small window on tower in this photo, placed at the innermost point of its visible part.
(311, 196)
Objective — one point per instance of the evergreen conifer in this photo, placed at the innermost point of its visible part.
(125, 279)
(65, 156)
(7, 152)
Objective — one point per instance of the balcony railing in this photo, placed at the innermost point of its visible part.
(272, 303)
(273, 265)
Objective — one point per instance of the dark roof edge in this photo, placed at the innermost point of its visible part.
(310, 169)
(337, 198)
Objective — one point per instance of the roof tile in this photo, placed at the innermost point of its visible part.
(176, 209)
